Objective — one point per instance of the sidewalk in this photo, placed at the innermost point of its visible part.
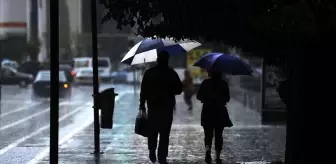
(247, 141)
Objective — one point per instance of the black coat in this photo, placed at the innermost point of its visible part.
(214, 94)
(159, 86)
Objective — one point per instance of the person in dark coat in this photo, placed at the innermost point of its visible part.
(159, 86)
(214, 94)
(188, 89)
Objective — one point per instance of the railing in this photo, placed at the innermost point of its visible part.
(249, 99)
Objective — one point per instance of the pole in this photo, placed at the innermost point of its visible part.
(1, 53)
(54, 78)
(0, 73)
(32, 18)
(95, 76)
(134, 81)
(263, 84)
(47, 23)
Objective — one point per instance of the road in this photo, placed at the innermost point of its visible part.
(24, 132)
(247, 141)
(24, 124)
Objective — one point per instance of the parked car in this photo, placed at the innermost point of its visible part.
(84, 72)
(119, 76)
(10, 63)
(30, 67)
(41, 85)
(10, 76)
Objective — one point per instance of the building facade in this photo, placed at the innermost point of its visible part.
(23, 21)
(112, 42)
(13, 22)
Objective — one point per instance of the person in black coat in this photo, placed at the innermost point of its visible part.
(159, 86)
(214, 94)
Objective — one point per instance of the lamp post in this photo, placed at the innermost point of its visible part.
(54, 78)
(94, 30)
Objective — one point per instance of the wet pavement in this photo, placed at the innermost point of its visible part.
(248, 141)
(24, 124)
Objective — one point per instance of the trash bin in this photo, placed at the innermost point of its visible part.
(106, 102)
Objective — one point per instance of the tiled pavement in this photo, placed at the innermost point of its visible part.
(247, 141)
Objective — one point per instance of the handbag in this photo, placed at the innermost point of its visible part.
(141, 124)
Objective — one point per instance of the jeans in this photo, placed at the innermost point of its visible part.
(163, 141)
(209, 132)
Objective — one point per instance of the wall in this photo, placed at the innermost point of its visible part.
(13, 18)
(13, 27)
(75, 17)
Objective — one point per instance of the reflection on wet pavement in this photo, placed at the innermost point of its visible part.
(247, 141)
(24, 124)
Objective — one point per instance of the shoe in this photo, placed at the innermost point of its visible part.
(218, 161)
(208, 159)
(152, 156)
(163, 161)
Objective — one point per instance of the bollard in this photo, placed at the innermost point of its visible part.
(106, 104)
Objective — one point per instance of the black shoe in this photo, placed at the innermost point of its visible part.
(152, 156)
(208, 157)
(218, 161)
(163, 161)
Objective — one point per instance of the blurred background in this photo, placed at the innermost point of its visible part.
(24, 52)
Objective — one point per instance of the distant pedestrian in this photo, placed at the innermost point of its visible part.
(214, 94)
(188, 89)
(159, 86)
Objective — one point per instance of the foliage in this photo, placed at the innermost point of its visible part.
(268, 28)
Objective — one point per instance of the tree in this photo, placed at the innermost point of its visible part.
(283, 32)
(264, 27)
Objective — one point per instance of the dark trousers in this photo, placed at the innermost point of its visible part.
(163, 141)
(188, 98)
(209, 132)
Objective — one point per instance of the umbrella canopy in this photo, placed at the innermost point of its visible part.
(147, 50)
(220, 62)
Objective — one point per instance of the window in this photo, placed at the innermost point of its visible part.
(7, 72)
(103, 63)
(45, 76)
(82, 63)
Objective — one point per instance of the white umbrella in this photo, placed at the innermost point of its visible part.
(146, 50)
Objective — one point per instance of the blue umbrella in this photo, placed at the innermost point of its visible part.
(220, 62)
(146, 50)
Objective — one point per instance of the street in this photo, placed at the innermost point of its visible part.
(24, 131)
(24, 124)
